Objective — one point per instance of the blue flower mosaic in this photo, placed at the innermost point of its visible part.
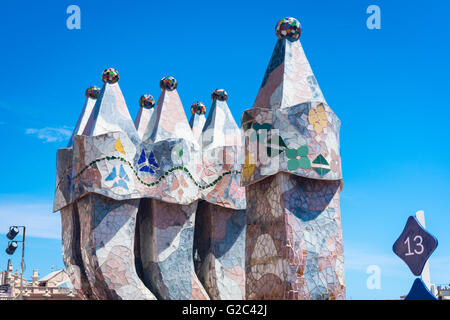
(147, 164)
(122, 178)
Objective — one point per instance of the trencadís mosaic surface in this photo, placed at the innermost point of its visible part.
(163, 208)
(292, 174)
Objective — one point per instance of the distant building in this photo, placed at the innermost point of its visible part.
(54, 286)
(442, 292)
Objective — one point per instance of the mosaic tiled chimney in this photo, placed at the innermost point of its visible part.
(107, 220)
(220, 229)
(70, 221)
(167, 223)
(292, 176)
(163, 208)
(128, 195)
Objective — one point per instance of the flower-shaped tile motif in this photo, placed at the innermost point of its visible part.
(119, 181)
(147, 164)
(298, 158)
(318, 118)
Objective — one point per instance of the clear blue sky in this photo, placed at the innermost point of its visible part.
(389, 87)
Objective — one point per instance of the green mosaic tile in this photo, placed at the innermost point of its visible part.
(321, 171)
(320, 160)
(302, 151)
(305, 163)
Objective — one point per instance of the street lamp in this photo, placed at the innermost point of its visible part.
(13, 231)
(12, 246)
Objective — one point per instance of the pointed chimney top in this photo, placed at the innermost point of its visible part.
(291, 105)
(219, 94)
(288, 27)
(220, 129)
(110, 76)
(288, 80)
(142, 121)
(198, 119)
(169, 120)
(168, 83)
(110, 112)
(92, 92)
(147, 101)
(198, 108)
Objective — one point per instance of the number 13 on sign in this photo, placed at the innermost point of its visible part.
(418, 241)
(415, 245)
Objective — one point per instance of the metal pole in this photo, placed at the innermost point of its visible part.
(21, 272)
(420, 215)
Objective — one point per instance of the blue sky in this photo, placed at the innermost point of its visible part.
(389, 87)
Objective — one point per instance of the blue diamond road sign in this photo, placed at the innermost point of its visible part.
(415, 245)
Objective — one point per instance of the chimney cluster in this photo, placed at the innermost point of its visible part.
(259, 204)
